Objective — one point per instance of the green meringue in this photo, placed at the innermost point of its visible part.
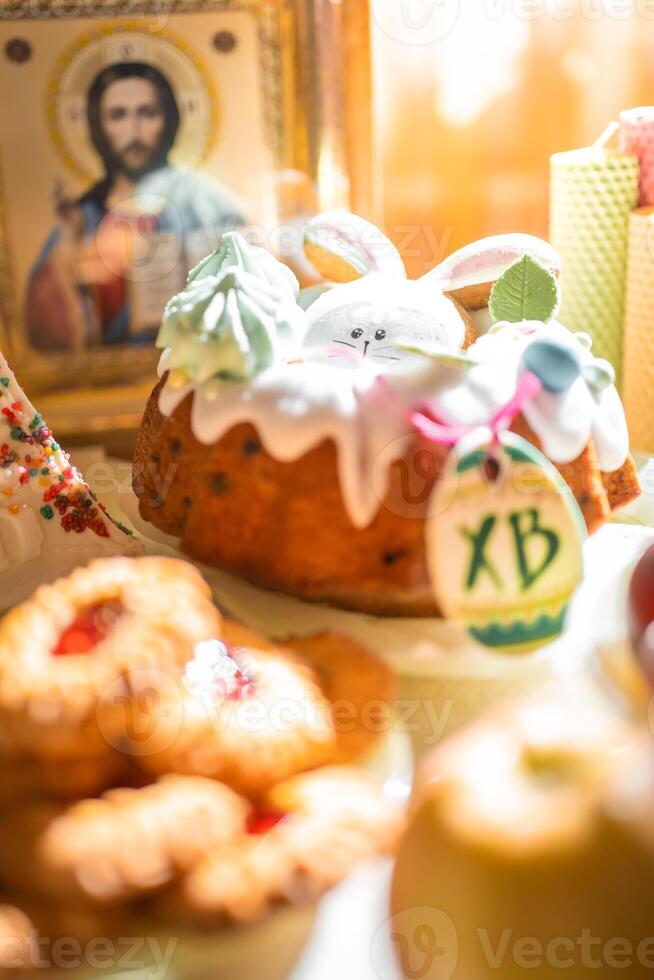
(230, 325)
(235, 252)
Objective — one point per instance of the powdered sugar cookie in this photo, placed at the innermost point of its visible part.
(242, 711)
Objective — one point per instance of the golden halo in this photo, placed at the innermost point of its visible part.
(123, 41)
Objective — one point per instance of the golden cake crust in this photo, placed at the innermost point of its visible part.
(283, 526)
(473, 297)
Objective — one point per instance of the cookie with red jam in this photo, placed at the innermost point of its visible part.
(66, 654)
(306, 836)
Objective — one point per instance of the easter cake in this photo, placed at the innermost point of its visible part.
(305, 449)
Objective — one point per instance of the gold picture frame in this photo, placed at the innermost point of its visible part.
(49, 53)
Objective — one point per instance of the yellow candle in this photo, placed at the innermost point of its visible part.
(592, 192)
(638, 374)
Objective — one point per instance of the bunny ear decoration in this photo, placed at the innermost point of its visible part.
(343, 247)
(469, 273)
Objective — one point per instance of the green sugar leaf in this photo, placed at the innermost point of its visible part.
(526, 291)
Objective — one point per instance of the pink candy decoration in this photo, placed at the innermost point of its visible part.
(637, 137)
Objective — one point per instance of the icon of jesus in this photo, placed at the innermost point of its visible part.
(78, 293)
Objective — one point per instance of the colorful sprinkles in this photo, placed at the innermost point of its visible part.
(28, 456)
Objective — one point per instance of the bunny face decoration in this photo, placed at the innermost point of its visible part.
(367, 320)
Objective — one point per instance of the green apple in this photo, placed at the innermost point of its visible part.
(530, 849)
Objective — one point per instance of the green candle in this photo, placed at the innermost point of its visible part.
(592, 192)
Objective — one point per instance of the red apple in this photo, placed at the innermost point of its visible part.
(641, 613)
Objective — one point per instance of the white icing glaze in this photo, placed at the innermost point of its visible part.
(364, 319)
(564, 422)
(295, 407)
(35, 548)
(610, 432)
(487, 259)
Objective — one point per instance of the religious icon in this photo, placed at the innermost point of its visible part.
(129, 147)
(77, 291)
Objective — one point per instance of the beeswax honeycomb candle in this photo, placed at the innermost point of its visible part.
(638, 373)
(592, 192)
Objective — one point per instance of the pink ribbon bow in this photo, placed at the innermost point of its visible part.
(427, 425)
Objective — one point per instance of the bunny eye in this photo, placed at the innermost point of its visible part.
(380, 334)
(356, 333)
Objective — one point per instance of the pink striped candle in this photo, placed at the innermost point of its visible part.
(637, 137)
